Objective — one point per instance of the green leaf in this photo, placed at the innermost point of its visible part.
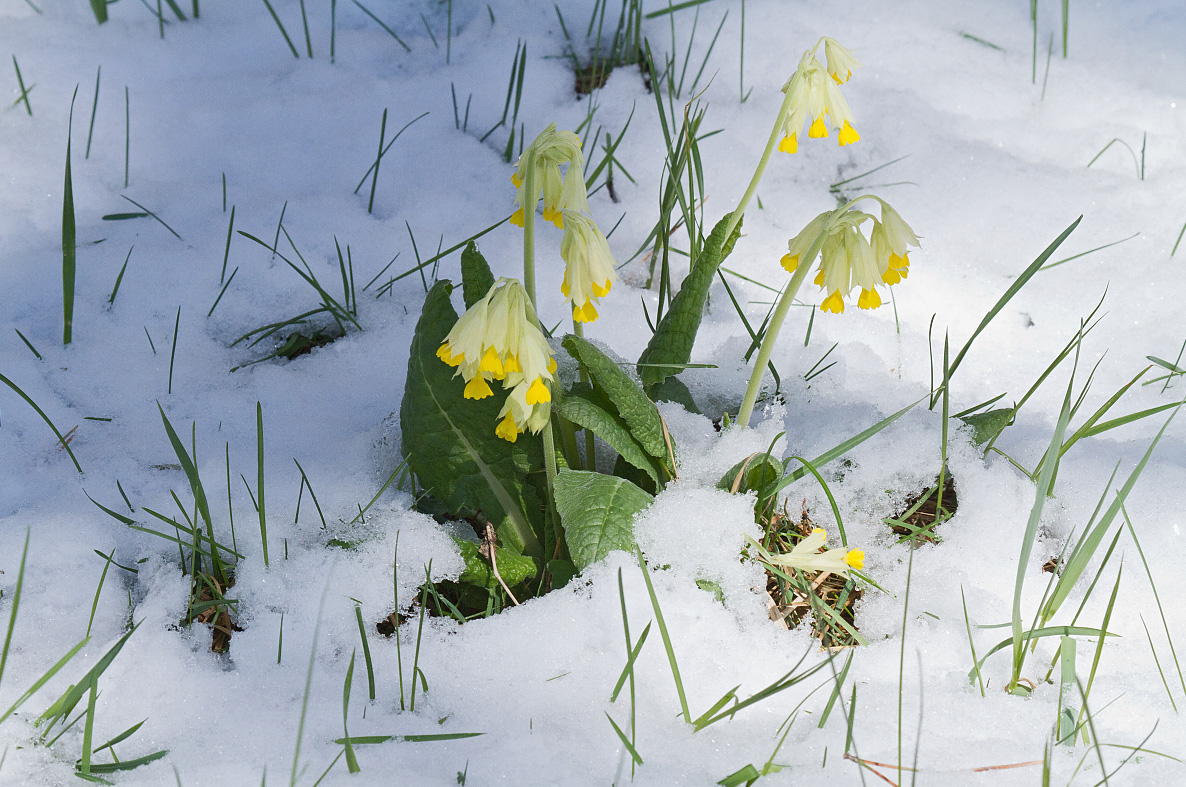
(597, 512)
(127, 765)
(638, 411)
(450, 444)
(673, 390)
(512, 567)
(760, 472)
(562, 572)
(676, 332)
(587, 413)
(746, 775)
(476, 278)
(64, 704)
(987, 425)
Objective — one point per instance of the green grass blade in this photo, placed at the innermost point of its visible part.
(366, 653)
(679, 683)
(61, 440)
(283, 32)
(259, 464)
(16, 603)
(69, 250)
(1014, 288)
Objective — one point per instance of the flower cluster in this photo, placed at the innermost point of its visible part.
(814, 95)
(848, 259)
(498, 338)
(589, 265)
(544, 156)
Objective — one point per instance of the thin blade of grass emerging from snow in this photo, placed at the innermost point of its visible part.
(62, 440)
(1156, 597)
(379, 21)
(28, 344)
(679, 683)
(259, 464)
(69, 250)
(351, 760)
(94, 109)
(24, 96)
(283, 32)
(366, 653)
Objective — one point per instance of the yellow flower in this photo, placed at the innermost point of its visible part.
(815, 97)
(806, 556)
(589, 265)
(840, 61)
(544, 156)
(848, 259)
(498, 338)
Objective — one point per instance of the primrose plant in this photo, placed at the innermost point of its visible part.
(506, 457)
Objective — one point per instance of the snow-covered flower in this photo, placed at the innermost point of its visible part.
(807, 557)
(589, 265)
(498, 338)
(841, 62)
(815, 97)
(848, 259)
(544, 156)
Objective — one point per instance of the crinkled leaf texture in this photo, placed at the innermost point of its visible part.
(619, 388)
(583, 407)
(450, 444)
(597, 512)
(676, 332)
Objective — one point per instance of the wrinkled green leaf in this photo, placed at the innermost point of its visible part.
(587, 413)
(450, 444)
(512, 567)
(987, 425)
(676, 332)
(673, 390)
(597, 512)
(476, 278)
(638, 411)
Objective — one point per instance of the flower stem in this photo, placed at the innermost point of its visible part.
(771, 144)
(590, 448)
(531, 195)
(780, 313)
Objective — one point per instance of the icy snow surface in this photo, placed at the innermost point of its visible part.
(995, 170)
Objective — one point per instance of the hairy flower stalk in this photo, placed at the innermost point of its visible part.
(848, 260)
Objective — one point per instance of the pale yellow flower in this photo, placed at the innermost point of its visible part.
(806, 556)
(841, 62)
(544, 156)
(589, 265)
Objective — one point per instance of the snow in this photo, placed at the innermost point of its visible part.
(996, 170)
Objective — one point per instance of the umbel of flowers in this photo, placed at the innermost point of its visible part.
(499, 339)
(848, 259)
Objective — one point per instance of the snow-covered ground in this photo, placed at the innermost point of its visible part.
(994, 170)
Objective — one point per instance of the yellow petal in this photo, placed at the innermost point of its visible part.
(790, 262)
(601, 291)
(538, 392)
(833, 303)
(477, 388)
(551, 365)
(507, 430)
(789, 144)
(492, 364)
(517, 218)
(512, 364)
(515, 180)
(869, 299)
(855, 558)
(848, 134)
(819, 129)
(819, 277)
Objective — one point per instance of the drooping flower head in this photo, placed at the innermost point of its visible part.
(589, 265)
(815, 97)
(543, 157)
(498, 338)
(848, 259)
